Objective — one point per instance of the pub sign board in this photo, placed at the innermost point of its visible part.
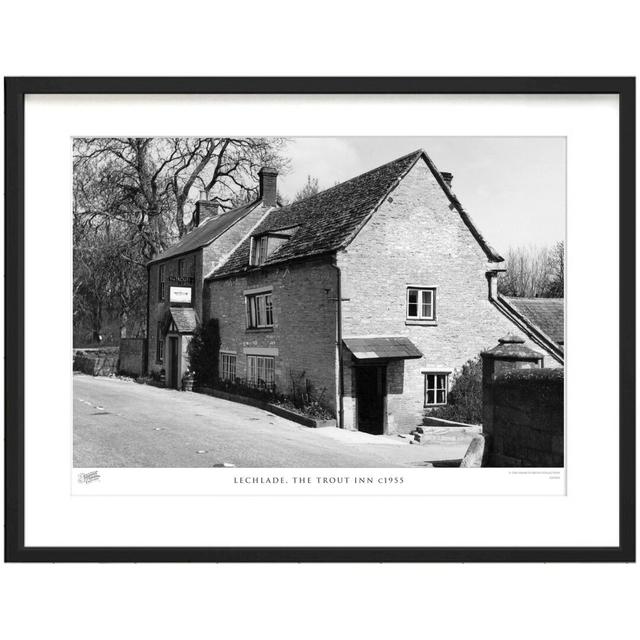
(180, 295)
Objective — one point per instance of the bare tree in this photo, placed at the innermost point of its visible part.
(556, 285)
(310, 189)
(132, 199)
(533, 272)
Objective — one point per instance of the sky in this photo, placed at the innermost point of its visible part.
(512, 187)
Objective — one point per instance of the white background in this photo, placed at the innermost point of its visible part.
(55, 518)
(450, 38)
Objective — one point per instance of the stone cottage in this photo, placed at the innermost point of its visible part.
(175, 278)
(374, 292)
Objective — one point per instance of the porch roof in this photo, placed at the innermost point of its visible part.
(184, 319)
(382, 348)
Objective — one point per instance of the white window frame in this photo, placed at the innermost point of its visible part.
(421, 302)
(261, 368)
(437, 387)
(227, 370)
(259, 310)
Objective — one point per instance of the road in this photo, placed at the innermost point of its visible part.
(119, 423)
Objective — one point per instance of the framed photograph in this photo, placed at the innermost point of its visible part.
(320, 319)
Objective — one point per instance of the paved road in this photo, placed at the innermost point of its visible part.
(119, 423)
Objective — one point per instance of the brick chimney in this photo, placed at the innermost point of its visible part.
(447, 177)
(205, 209)
(268, 186)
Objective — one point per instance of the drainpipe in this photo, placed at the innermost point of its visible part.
(339, 348)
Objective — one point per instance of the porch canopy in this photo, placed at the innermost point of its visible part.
(181, 320)
(396, 347)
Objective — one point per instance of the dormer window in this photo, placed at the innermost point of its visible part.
(262, 249)
(263, 246)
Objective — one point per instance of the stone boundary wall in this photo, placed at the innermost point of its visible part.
(133, 354)
(524, 417)
(96, 362)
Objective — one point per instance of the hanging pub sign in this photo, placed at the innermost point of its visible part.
(180, 295)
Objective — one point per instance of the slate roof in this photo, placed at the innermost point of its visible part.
(330, 219)
(185, 319)
(394, 347)
(206, 233)
(547, 314)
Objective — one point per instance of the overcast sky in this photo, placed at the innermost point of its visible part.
(513, 188)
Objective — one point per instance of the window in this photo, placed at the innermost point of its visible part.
(435, 389)
(259, 311)
(261, 371)
(421, 304)
(161, 282)
(192, 266)
(180, 268)
(159, 344)
(265, 245)
(262, 249)
(228, 366)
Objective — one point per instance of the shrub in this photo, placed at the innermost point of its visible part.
(465, 396)
(203, 353)
(305, 398)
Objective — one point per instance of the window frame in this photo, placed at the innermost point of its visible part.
(257, 364)
(420, 304)
(161, 282)
(180, 267)
(259, 249)
(255, 310)
(435, 389)
(226, 371)
(159, 344)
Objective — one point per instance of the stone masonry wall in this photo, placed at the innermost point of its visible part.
(304, 322)
(132, 354)
(524, 416)
(417, 238)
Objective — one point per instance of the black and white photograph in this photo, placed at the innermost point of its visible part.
(318, 302)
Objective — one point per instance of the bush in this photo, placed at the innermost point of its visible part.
(465, 396)
(304, 398)
(203, 353)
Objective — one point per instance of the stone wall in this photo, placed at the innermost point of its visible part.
(524, 418)
(133, 352)
(303, 337)
(96, 362)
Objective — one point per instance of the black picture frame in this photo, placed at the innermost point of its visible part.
(15, 91)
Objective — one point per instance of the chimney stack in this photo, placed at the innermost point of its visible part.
(447, 177)
(268, 186)
(205, 209)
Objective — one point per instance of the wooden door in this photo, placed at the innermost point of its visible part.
(173, 350)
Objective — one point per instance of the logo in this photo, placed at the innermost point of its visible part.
(86, 478)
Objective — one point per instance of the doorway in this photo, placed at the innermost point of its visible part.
(173, 363)
(371, 388)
